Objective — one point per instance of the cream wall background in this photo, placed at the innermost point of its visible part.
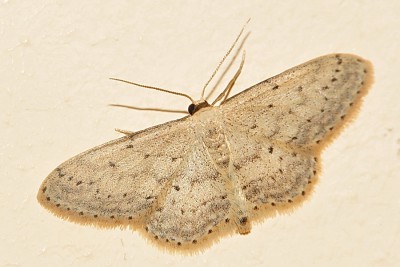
(55, 60)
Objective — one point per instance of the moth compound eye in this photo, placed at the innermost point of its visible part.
(191, 108)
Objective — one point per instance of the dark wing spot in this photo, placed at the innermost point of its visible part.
(79, 182)
(60, 174)
(81, 213)
(243, 220)
(112, 164)
(339, 60)
(270, 105)
(44, 189)
(129, 146)
(333, 79)
(237, 166)
(146, 156)
(177, 188)
(270, 149)
(275, 87)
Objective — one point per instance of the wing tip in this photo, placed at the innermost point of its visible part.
(354, 110)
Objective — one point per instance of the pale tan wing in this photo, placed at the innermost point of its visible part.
(277, 128)
(195, 212)
(269, 177)
(120, 182)
(302, 105)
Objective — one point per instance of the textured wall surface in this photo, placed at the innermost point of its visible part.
(55, 60)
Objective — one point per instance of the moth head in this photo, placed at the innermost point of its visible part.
(197, 105)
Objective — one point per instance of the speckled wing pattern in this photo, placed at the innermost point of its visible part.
(280, 125)
(186, 183)
(121, 180)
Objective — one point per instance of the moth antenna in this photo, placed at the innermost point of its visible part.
(150, 109)
(154, 88)
(223, 59)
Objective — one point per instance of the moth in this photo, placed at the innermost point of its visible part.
(186, 183)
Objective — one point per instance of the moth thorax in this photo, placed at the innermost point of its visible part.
(214, 140)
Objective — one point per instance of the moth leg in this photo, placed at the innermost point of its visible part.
(224, 95)
(232, 82)
(128, 133)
